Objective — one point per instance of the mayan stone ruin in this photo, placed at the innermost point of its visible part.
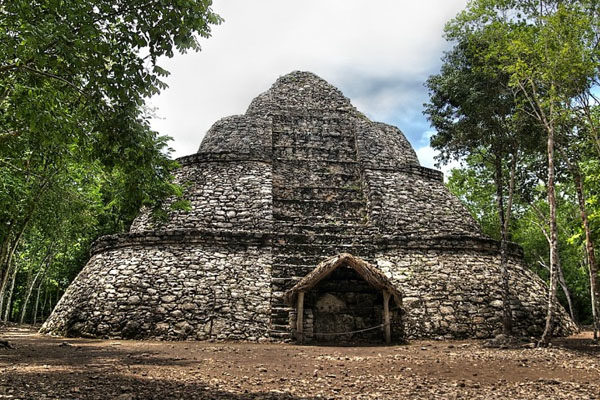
(303, 197)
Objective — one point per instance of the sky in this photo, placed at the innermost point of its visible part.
(378, 53)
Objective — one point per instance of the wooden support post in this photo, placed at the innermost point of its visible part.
(300, 317)
(386, 317)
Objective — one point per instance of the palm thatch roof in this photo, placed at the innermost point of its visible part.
(368, 272)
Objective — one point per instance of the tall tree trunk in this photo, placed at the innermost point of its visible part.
(563, 284)
(511, 192)
(589, 249)
(549, 326)
(28, 294)
(6, 276)
(5, 262)
(7, 311)
(8, 261)
(32, 282)
(45, 301)
(28, 284)
(506, 310)
(56, 297)
(4, 281)
(3, 255)
(565, 289)
(37, 301)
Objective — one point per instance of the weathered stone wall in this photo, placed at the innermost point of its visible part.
(457, 294)
(301, 92)
(416, 204)
(170, 291)
(222, 195)
(237, 137)
(383, 146)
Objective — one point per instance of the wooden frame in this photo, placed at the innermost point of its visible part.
(300, 317)
(387, 329)
(370, 273)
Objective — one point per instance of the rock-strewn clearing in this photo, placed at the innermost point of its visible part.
(42, 367)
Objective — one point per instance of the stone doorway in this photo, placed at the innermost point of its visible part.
(345, 300)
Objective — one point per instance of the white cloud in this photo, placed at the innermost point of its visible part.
(378, 53)
(426, 156)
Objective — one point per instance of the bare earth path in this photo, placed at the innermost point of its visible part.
(42, 367)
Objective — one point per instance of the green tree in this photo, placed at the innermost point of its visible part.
(473, 110)
(74, 77)
(474, 185)
(548, 48)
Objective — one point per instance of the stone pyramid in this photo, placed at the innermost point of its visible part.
(301, 177)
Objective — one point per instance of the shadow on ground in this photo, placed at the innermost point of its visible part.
(44, 367)
(78, 385)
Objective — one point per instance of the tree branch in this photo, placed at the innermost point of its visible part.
(59, 78)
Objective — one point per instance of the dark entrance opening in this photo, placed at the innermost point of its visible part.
(346, 300)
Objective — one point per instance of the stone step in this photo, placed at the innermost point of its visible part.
(308, 251)
(308, 136)
(278, 303)
(315, 173)
(280, 327)
(315, 167)
(301, 260)
(322, 193)
(285, 270)
(328, 246)
(311, 164)
(280, 334)
(283, 202)
(320, 210)
(338, 229)
(311, 249)
(315, 219)
(280, 308)
(314, 156)
(284, 282)
(316, 179)
(287, 278)
(282, 285)
(301, 136)
(336, 233)
(343, 151)
(280, 321)
(280, 315)
(300, 265)
(349, 234)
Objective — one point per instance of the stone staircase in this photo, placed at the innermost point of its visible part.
(318, 202)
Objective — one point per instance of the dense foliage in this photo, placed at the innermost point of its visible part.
(475, 186)
(77, 156)
(515, 99)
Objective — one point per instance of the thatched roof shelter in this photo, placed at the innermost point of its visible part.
(368, 272)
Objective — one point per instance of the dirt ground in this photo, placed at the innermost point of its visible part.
(42, 367)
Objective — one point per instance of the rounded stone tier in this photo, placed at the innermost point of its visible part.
(301, 177)
(303, 158)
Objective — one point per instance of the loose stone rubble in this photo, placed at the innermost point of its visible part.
(299, 178)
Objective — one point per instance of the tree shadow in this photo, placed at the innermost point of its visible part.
(59, 368)
(84, 386)
(579, 345)
(40, 350)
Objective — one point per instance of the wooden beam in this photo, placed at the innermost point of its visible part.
(300, 317)
(386, 317)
